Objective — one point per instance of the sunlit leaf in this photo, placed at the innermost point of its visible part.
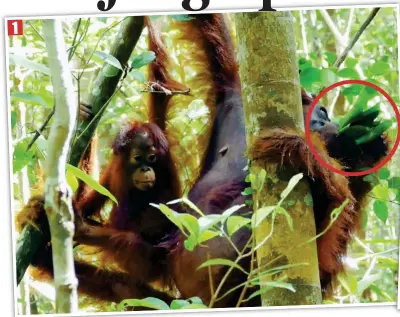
(28, 64)
(381, 210)
(91, 182)
(143, 59)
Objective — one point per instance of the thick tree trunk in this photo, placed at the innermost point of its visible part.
(58, 195)
(271, 94)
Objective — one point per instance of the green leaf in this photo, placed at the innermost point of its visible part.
(149, 302)
(102, 19)
(234, 223)
(92, 183)
(371, 178)
(381, 192)
(277, 284)
(139, 76)
(178, 303)
(309, 76)
(379, 68)
(384, 173)
(308, 200)
(21, 157)
(72, 181)
(194, 306)
(207, 235)
(351, 62)
(394, 182)
(330, 57)
(269, 286)
(381, 210)
(143, 59)
(28, 98)
(195, 300)
(367, 281)
(328, 77)
(108, 58)
(260, 214)
(348, 73)
(181, 17)
(27, 63)
(292, 183)
(248, 191)
(13, 116)
(223, 262)
(349, 283)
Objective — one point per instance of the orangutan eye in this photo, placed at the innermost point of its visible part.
(151, 158)
(137, 158)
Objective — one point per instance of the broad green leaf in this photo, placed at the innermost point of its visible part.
(247, 191)
(384, 173)
(21, 157)
(149, 302)
(108, 58)
(381, 192)
(223, 262)
(260, 214)
(328, 77)
(178, 303)
(195, 300)
(367, 281)
(351, 62)
(394, 182)
(230, 211)
(349, 283)
(92, 183)
(143, 59)
(28, 98)
(379, 68)
(207, 235)
(348, 73)
(234, 223)
(309, 76)
(292, 183)
(330, 57)
(304, 64)
(381, 210)
(27, 63)
(139, 76)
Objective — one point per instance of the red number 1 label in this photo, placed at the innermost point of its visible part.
(15, 27)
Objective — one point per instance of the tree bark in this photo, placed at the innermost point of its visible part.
(104, 86)
(271, 95)
(122, 48)
(58, 195)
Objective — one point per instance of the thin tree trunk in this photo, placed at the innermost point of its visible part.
(271, 94)
(58, 195)
(127, 37)
(131, 29)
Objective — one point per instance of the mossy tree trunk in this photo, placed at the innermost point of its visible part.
(271, 95)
